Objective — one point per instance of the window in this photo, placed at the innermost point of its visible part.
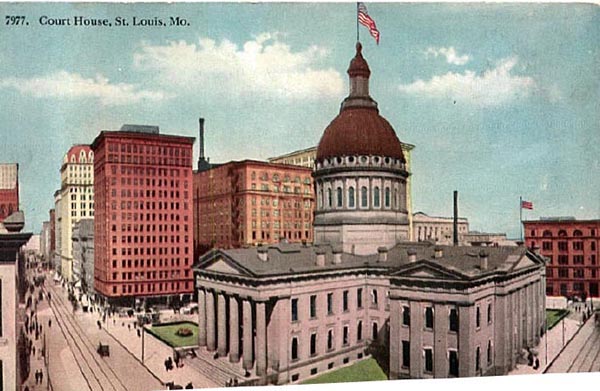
(578, 246)
(453, 363)
(363, 197)
(577, 259)
(428, 353)
(477, 359)
(562, 246)
(329, 303)
(351, 197)
(294, 348)
(387, 197)
(478, 317)
(593, 246)
(329, 200)
(405, 354)
(376, 201)
(294, 310)
(346, 335)
(563, 272)
(345, 301)
(406, 315)
(489, 353)
(339, 197)
(359, 298)
(429, 317)
(313, 344)
(374, 297)
(375, 331)
(453, 321)
(330, 339)
(546, 245)
(313, 306)
(489, 313)
(359, 331)
(563, 260)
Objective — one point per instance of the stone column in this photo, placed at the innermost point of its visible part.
(201, 317)
(247, 334)
(417, 315)
(261, 339)
(222, 325)
(466, 347)
(211, 338)
(395, 344)
(234, 330)
(441, 327)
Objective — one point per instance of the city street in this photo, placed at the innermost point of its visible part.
(582, 354)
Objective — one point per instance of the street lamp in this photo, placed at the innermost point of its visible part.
(143, 333)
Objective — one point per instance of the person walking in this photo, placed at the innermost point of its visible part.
(41, 376)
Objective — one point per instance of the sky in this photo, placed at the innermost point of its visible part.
(500, 100)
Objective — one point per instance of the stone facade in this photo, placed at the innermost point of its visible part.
(83, 254)
(438, 229)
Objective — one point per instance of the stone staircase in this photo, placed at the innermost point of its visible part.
(219, 370)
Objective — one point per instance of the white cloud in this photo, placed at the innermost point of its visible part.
(264, 66)
(65, 85)
(450, 53)
(491, 88)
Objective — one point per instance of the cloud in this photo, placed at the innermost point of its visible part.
(264, 66)
(450, 53)
(65, 85)
(493, 87)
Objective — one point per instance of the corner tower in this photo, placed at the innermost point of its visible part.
(360, 174)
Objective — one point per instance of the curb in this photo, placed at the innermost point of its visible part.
(564, 347)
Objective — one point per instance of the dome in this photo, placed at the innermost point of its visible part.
(359, 131)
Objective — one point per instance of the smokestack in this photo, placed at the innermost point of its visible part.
(383, 254)
(201, 138)
(263, 253)
(320, 256)
(483, 260)
(337, 255)
(438, 252)
(455, 225)
(412, 255)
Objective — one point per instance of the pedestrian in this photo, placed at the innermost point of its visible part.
(139, 334)
(41, 376)
(167, 365)
(49, 323)
(33, 350)
(537, 363)
(37, 376)
(99, 325)
(129, 326)
(40, 328)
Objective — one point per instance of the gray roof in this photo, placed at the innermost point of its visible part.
(283, 258)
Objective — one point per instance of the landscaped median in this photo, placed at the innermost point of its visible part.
(365, 370)
(553, 316)
(176, 334)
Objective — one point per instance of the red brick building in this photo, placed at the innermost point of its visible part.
(251, 202)
(573, 249)
(9, 189)
(143, 213)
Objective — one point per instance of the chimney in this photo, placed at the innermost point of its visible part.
(263, 253)
(337, 255)
(383, 254)
(455, 223)
(438, 252)
(483, 260)
(412, 255)
(320, 256)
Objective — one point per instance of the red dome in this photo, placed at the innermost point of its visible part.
(359, 131)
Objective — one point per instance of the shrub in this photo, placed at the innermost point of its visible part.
(184, 332)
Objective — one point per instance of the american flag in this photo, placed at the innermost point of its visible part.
(367, 21)
(526, 204)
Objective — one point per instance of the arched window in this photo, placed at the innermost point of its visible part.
(376, 200)
(351, 197)
(547, 233)
(577, 233)
(340, 202)
(387, 197)
(562, 232)
(329, 199)
(363, 197)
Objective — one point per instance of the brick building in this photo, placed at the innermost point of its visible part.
(291, 311)
(9, 189)
(573, 251)
(143, 219)
(251, 202)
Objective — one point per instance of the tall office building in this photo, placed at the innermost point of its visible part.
(143, 231)
(9, 189)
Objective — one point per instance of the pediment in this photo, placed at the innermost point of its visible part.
(222, 266)
(522, 263)
(427, 270)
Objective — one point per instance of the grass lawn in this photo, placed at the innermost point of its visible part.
(365, 370)
(554, 316)
(166, 333)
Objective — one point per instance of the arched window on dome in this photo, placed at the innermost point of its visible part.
(340, 196)
(363, 197)
(351, 197)
(387, 197)
(376, 200)
(320, 198)
(329, 198)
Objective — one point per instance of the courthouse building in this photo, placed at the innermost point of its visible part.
(286, 311)
(572, 248)
(437, 228)
(143, 232)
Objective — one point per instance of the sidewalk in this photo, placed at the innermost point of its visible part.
(582, 341)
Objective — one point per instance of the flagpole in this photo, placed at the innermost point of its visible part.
(357, 29)
(521, 215)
